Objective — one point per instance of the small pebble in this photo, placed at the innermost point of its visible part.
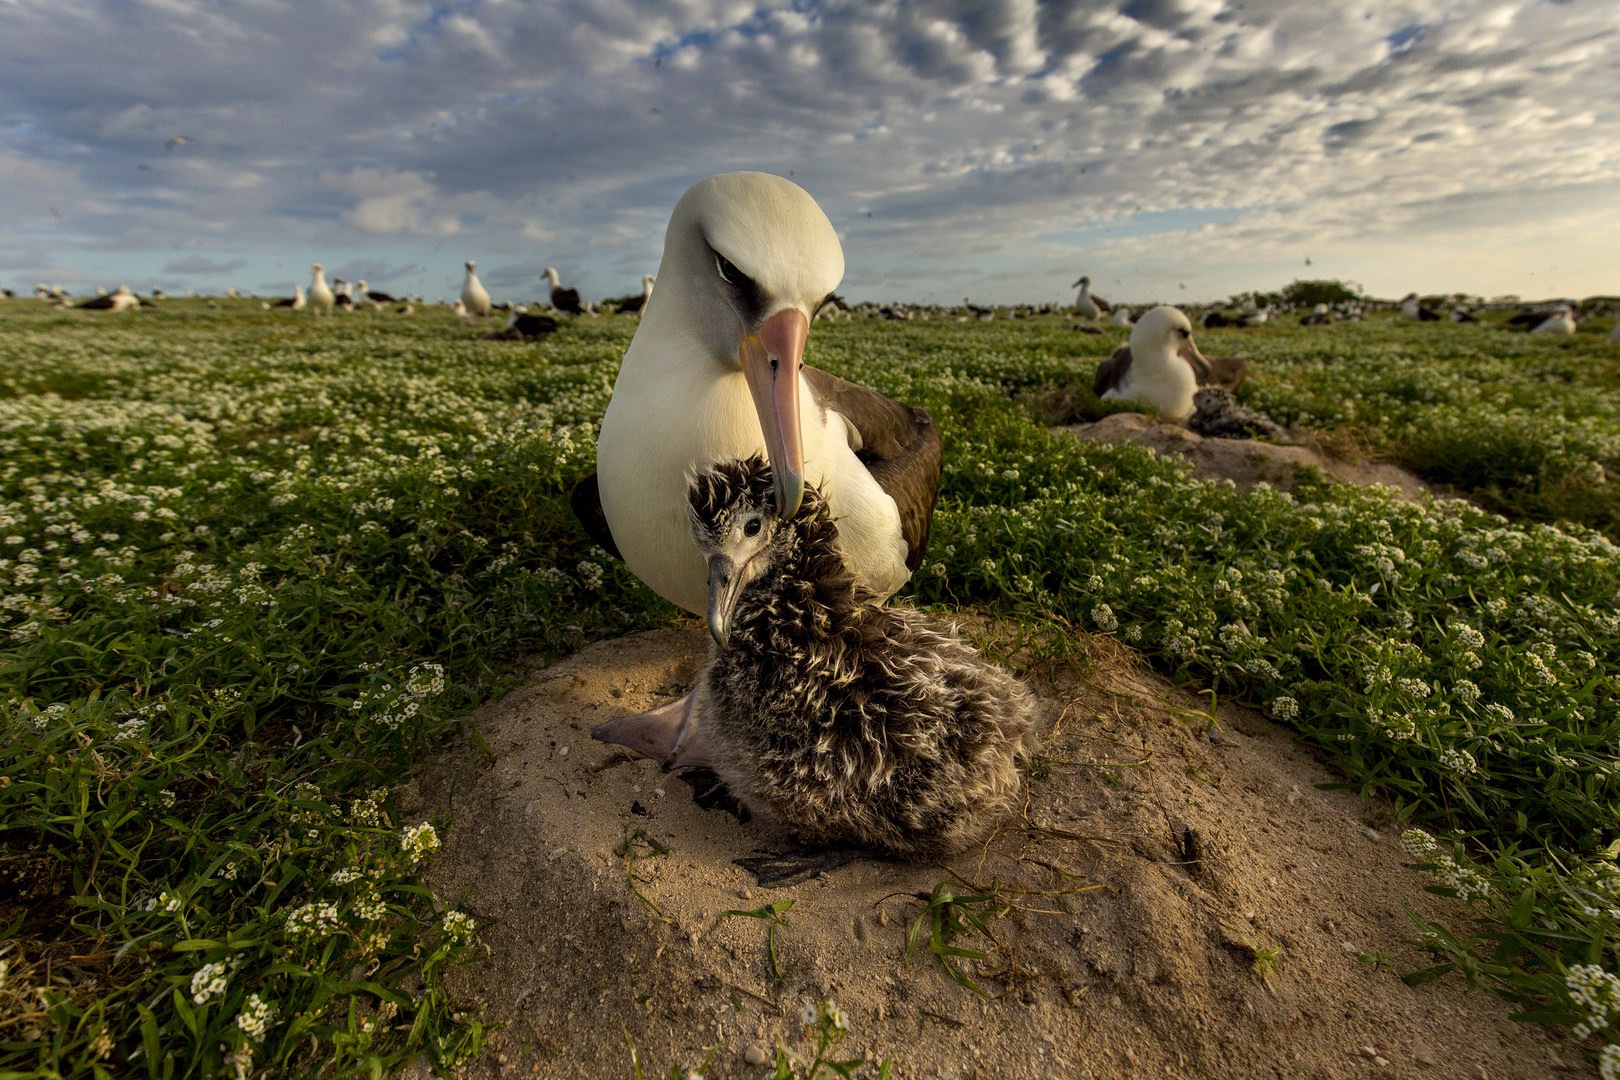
(755, 1054)
(562, 751)
(1372, 834)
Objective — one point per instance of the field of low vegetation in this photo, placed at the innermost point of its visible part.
(253, 565)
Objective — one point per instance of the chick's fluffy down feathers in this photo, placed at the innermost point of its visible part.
(852, 721)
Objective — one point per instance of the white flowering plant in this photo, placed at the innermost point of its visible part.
(217, 541)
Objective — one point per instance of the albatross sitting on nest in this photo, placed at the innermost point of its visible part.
(715, 372)
(1412, 309)
(1160, 367)
(851, 722)
(120, 299)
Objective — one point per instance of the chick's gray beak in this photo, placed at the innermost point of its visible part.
(725, 585)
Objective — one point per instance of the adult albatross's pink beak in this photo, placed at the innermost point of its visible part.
(771, 357)
(1189, 352)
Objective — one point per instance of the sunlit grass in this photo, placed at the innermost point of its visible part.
(252, 565)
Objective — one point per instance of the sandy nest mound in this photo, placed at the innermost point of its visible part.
(1245, 462)
(1155, 861)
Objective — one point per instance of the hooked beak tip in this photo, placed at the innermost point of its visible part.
(789, 493)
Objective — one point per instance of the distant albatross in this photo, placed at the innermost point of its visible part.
(1086, 305)
(1160, 368)
(474, 297)
(1561, 321)
(634, 304)
(321, 296)
(1416, 311)
(564, 300)
(120, 300)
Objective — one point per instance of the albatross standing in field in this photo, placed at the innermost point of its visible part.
(715, 372)
(564, 300)
(474, 297)
(1160, 368)
(321, 296)
(1086, 305)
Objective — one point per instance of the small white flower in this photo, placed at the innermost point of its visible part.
(208, 983)
(1285, 708)
(459, 926)
(1104, 617)
(1460, 762)
(420, 841)
(1417, 843)
(255, 1018)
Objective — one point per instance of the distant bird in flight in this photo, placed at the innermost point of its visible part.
(178, 140)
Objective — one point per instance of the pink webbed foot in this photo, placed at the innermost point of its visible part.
(669, 734)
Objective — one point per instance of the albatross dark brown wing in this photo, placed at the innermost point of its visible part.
(587, 503)
(1111, 372)
(900, 446)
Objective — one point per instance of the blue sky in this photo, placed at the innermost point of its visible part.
(1172, 149)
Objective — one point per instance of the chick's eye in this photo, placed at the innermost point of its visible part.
(752, 527)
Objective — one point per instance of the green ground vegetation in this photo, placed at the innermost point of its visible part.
(254, 563)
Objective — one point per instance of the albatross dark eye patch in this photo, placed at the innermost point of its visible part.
(742, 286)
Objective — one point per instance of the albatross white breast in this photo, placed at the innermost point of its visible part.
(715, 372)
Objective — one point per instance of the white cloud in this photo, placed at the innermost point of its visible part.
(392, 202)
(966, 130)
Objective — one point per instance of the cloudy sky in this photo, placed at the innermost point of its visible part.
(1179, 149)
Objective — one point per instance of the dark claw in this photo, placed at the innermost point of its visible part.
(711, 793)
(773, 871)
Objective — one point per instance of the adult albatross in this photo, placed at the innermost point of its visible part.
(715, 372)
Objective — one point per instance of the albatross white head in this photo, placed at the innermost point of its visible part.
(748, 259)
(1164, 360)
